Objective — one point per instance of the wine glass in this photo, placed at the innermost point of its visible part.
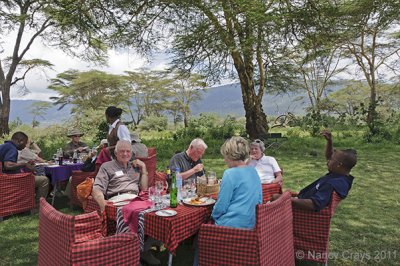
(152, 196)
(159, 189)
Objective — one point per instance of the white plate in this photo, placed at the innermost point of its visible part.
(53, 165)
(121, 203)
(207, 202)
(166, 213)
(122, 197)
(44, 164)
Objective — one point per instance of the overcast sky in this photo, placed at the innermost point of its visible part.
(37, 81)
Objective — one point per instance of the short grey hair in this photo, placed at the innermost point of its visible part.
(123, 143)
(198, 143)
(236, 149)
(259, 143)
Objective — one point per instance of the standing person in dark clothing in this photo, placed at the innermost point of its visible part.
(117, 129)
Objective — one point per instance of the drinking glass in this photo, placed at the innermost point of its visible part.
(159, 190)
(152, 196)
(190, 187)
(55, 157)
(212, 177)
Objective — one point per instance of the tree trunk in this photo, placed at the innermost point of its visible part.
(256, 120)
(5, 109)
(371, 115)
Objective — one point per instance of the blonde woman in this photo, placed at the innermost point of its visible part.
(240, 188)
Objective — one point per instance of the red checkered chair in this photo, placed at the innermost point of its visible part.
(269, 243)
(270, 189)
(76, 240)
(151, 164)
(78, 177)
(311, 232)
(17, 193)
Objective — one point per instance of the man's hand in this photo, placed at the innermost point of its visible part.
(30, 166)
(198, 167)
(139, 164)
(326, 134)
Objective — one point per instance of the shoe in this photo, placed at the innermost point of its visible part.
(149, 258)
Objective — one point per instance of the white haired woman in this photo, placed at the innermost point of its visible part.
(240, 188)
(267, 167)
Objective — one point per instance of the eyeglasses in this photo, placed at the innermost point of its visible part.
(76, 136)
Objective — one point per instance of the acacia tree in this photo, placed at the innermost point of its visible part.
(371, 41)
(220, 39)
(38, 109)
(88, 89)
(64, 23)
(185, 91)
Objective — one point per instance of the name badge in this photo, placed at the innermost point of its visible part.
(119, 173)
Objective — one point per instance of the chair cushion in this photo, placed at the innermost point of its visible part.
(87, 227)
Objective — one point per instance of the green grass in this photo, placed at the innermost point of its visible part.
(364, 231)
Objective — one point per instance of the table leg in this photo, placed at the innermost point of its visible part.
(54, 194)
(170, 259)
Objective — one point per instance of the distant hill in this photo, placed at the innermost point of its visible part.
(223, 100)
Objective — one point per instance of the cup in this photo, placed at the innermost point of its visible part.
(211, 178)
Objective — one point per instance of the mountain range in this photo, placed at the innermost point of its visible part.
(223, 100)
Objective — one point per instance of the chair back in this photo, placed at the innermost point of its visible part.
(17, 193)
(269, 243)
(55, 236)
(275, 232)
(311, 231)
(270, 189)
(151, 165)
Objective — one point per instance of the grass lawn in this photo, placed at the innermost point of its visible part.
(364, 231)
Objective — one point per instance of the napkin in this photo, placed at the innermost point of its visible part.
(131, 211)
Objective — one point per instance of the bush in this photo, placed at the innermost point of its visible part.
(157, 123)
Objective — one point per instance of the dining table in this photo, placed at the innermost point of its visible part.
(170, 230)
(59, 173)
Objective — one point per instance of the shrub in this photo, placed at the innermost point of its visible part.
(157, 123)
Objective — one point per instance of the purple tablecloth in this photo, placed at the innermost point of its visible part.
(61, 172)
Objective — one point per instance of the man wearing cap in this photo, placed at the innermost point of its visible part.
(138, 148)
(75, 144)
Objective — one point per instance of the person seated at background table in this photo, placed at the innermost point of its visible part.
(9, 159)
(240, 190)
(267, 167)
(75, 145)
(117, 130)
(138, 148)
(89, 165)
(30, 153)
(317, 195)
(120, 176)
(189, 161)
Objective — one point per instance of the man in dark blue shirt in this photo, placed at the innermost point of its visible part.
(9, 159)
(318, 194)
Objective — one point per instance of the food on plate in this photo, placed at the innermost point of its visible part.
(198, 201)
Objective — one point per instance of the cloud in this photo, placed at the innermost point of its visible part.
(37, 81)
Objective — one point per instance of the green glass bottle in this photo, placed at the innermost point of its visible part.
(173, 193)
